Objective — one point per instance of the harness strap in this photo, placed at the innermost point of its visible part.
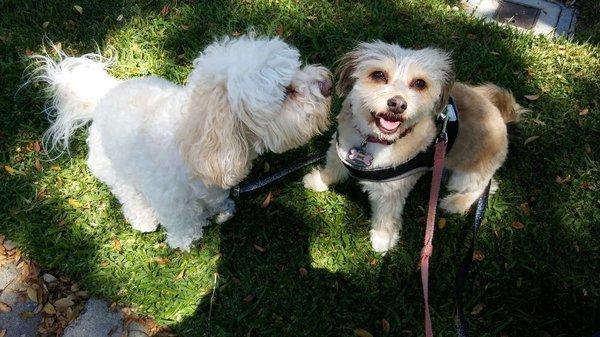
(436, 180)
(465, 265)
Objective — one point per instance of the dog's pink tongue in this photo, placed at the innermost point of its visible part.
(390, 125)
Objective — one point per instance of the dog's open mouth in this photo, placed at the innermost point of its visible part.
(388, 123)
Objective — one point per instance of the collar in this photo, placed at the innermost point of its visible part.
(447, 124)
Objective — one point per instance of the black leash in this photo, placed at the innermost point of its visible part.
(465, 265)
(251, 186)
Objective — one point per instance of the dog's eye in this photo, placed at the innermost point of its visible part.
(378, 76)
(418, 84)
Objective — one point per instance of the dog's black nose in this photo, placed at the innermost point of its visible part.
(326, 87)
(396, 104)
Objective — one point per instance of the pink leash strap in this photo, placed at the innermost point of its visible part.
(436, 179)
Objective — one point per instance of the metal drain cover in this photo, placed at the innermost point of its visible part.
(538, 16)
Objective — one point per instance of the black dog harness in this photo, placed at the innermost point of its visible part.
(447, 125)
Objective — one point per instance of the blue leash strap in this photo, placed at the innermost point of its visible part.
(465, 265)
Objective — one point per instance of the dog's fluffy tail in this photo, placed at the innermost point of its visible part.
(504, 100)
(75, 85)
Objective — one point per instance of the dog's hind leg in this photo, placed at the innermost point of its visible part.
(466, 188)
(136, 209)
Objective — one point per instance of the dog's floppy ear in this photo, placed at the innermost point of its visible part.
(447, 85)
(213, 142)
(345, 69)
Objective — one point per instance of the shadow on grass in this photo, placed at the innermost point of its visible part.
(539, 280)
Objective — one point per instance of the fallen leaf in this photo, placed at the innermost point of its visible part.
(249, 298)
(36, 146)
(82, 294)
(362, 333)
(10, 170)
(517, 225)
(477, 309)
(74, 203)
(265, 202)
(180, 275)
(165, 10)
(41, 193)
(374, 263)
(32, 294)
(79, 9)
(26, 314)
(532, 97)
(49, 309)
(45, 24)
(587, 148)
(584, 112)
(442, 223)
(161, 260)
(117, 244)
(38, 165)
(478, 255)
(63, 303)
(5, 307)
(2, 332)
(385, 325)
(55, 168)
(104, 264)
(259, 248)
(525, 208)
(530, 139)
(120, 18)
(279, 30)
(303, 272)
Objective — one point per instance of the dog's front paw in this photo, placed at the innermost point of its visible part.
(314, 181)
(383, 240)
(456, 203)
(227, 212)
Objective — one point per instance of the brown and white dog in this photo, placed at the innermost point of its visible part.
(394, 94)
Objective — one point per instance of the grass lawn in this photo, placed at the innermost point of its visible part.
(539, 280)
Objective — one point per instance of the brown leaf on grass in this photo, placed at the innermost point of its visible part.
(517, 225)
(587, 148)
(180, 275)
(385, 325)
(49, 309)
(37, 147)
(442, 223)
(38, 165)
(279, 30)
(104, 264)
(267, 200)
(374, 263)
(584, 112)
(525, 208)
(530, 139)
(249, 298)
(165, 10)
(79, 9)
(532, 97)
(477, 309)
(5, 307)
(10, 170)
(82, 294)
(41, 194)
(161, 260)
(362, 333)
(303, 272)
(259, 248)
(478, 255)
(117, 244)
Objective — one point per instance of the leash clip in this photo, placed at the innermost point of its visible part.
(443, 135)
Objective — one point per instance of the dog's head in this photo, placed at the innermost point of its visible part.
(249, 95)
(390, 88)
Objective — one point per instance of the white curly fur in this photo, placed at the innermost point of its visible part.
(171, 153)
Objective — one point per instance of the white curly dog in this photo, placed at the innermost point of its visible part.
(171, 153)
